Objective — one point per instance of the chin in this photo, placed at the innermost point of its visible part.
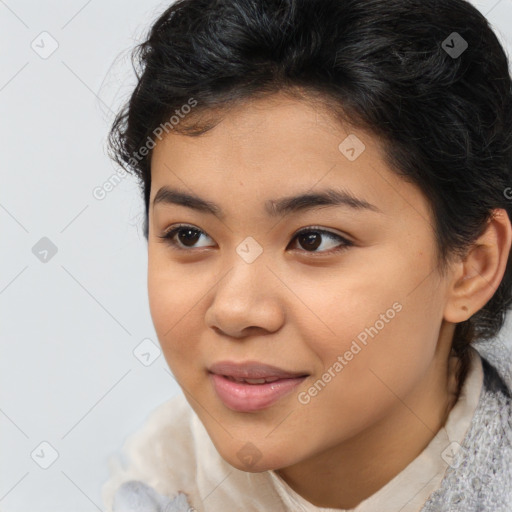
(257, 467)
(250, 459)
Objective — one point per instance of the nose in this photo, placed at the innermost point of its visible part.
(247, 301)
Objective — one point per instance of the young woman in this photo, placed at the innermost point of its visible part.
(327, 188)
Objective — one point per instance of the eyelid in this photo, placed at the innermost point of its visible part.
(305, 228)
(314, 227)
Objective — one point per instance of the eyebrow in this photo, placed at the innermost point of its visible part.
(273, 207)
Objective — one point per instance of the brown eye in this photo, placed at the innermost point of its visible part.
(311, 239)
(187, 237)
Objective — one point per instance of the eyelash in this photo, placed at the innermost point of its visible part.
(170, 233)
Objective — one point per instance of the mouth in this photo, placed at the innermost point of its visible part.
(252, 386)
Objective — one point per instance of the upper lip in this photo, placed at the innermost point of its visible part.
(252, 370)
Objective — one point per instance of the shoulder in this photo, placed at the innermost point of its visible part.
(156, 458)
(496, 357)
(480, 476)
(495, 413)
(136, 496)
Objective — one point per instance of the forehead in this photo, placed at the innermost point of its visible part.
(279, 147)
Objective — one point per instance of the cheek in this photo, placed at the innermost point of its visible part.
(174, 311)
(380, 320)
(358, 382)
(345, 309)
(371, 282)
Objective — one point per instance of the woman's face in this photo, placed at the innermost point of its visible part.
(352, 307)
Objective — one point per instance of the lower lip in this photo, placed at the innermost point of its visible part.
(240, 396)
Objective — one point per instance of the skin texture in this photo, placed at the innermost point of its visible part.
(300, 308)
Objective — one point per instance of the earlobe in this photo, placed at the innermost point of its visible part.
(480, 273)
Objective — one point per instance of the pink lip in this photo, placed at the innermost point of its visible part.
(251, 370)
(245, 397)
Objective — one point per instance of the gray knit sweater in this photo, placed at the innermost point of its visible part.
(479, 478)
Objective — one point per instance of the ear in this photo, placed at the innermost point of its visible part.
(478, 276)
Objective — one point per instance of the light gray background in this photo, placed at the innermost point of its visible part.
(70, 325)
